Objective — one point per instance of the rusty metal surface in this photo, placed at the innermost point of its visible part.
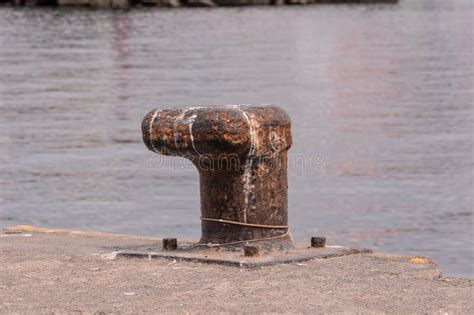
(241, 155)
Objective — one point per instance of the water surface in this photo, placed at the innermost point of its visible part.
(380, 97)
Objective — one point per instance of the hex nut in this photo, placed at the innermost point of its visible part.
(251, 250)
(170, 244)
(318, 241)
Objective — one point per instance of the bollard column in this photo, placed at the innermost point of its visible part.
(240, 153)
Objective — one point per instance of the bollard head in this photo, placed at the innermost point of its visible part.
(217, 132)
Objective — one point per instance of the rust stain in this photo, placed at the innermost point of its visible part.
(419, 260)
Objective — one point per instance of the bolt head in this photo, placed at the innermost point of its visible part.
(170, 244)
(251, 250)
(318, 241)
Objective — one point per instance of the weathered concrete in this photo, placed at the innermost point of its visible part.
(73, 272)
(239, 257)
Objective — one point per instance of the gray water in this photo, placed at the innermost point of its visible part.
(381, 98)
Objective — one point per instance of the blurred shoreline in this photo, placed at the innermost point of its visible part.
(125, 4)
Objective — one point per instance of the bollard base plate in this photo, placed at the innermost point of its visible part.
(300, 253)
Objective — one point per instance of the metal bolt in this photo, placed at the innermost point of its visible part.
(318, 241)
(170, 244)
(251, 250)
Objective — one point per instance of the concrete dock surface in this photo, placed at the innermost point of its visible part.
(61, 271)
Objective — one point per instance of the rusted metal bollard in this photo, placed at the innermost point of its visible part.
(241, 155)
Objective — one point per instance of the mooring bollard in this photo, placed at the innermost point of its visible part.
(318, 241)
(241, 155)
